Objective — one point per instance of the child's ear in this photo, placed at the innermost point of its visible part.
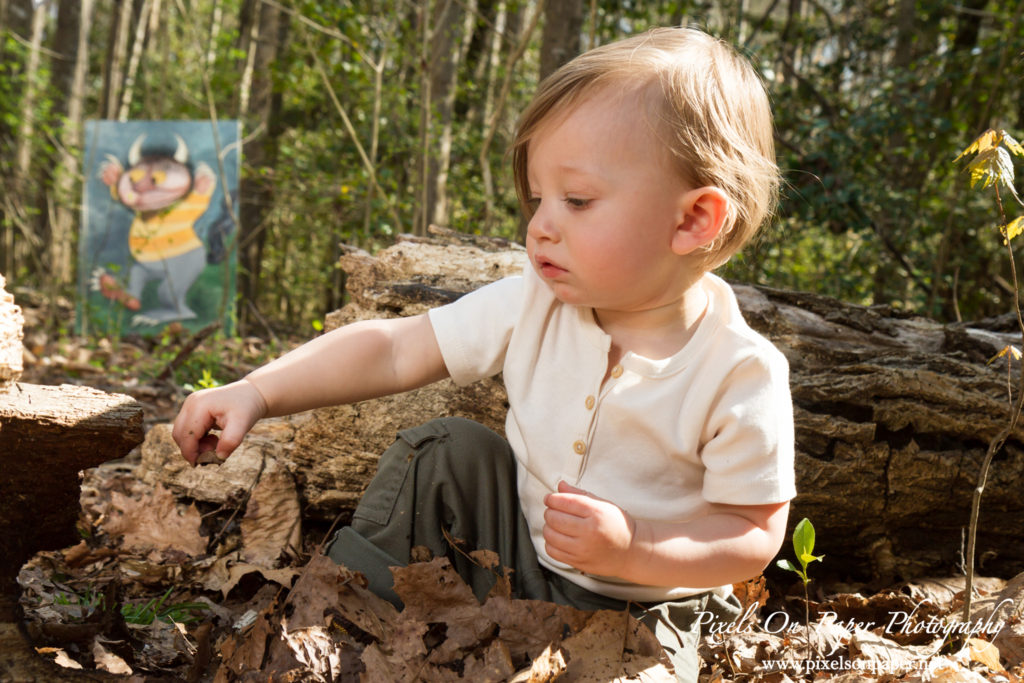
(704, 213)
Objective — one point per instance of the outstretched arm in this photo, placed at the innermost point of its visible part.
(353, 363)
(732, 543)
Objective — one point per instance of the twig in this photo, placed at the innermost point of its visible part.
(1000, 438)
(187, 349)
(263, 321)
(241, 504)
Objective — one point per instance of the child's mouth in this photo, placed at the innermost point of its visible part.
(549, 269)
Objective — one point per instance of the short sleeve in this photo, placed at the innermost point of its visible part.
(749, 451)
(473, 332)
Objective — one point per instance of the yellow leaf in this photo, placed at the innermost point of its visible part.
(1013, 228)
(1012, 144)
(1011, 351)
(986, 140)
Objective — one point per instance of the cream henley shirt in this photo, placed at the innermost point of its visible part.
(663, 439)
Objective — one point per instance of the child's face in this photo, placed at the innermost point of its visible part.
(607, 204)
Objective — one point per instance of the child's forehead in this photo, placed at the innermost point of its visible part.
(601, 119)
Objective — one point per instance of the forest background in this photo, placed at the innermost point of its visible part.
(369, 118)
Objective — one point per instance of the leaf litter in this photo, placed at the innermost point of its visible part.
(162, 587)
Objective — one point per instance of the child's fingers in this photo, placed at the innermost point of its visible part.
(564, 523)
(230, 438)
(559, 546)
(565, 487)
(570, 503)
(188, 432)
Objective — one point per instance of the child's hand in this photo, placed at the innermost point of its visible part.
(589, 533)
(233, 409)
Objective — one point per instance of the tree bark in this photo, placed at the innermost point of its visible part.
(65, 181)
(132, 70)
(892, 413)
(116, 52)
(560, 39)
(256, 193)
(28, 100)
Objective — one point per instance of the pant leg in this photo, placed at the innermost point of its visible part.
(457, 475)
(676, 624)
(452, 476)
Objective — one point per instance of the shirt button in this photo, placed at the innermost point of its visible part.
(590, 402)
(579, 447)
(617, 371)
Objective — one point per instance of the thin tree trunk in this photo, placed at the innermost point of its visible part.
(216, 19)
(28, 101)
(249, 24)
(61, 259)
(493, 61)
(423, 211)
(115, 61)
(378, 96)
(445, 62)
(560, 40)
(136, 57)
(506, 85)
(256, 193)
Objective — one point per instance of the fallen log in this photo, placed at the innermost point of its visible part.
(47, 436)
(893, 414)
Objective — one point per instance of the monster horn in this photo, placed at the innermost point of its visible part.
(181, 153)
(135, 153)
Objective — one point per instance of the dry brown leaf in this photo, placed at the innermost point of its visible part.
(1010, 642)
(245, 652)
(154, 521)
(61, 658)
(942, 591)
(986, 653)
(271, 526)
(530, 626)
(752, 592)
(883, 654)
(547, 667)
(494, 665)
(108, 661)
(944, 670)
(615, 646)
(227, 571)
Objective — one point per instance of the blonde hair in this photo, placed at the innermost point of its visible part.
(708, 107)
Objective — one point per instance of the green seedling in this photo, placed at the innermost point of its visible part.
(803, 546)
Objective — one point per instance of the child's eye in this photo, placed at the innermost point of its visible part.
(577, 203)
(533, 203)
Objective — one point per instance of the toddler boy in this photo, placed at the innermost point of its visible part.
(648, 458)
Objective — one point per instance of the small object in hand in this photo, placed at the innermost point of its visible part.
(209, 458)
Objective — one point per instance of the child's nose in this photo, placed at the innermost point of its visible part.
(541, 226)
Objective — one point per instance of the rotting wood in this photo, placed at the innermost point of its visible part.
(892, 415)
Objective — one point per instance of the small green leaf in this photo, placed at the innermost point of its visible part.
(788, 566)
(803, 538)
(807, 558)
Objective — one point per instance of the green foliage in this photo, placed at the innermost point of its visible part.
(803, 548)
(142, 614)
(865, 102)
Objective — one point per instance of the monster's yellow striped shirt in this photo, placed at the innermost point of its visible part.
(168, 233)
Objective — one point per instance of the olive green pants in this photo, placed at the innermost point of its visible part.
(457, 477)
